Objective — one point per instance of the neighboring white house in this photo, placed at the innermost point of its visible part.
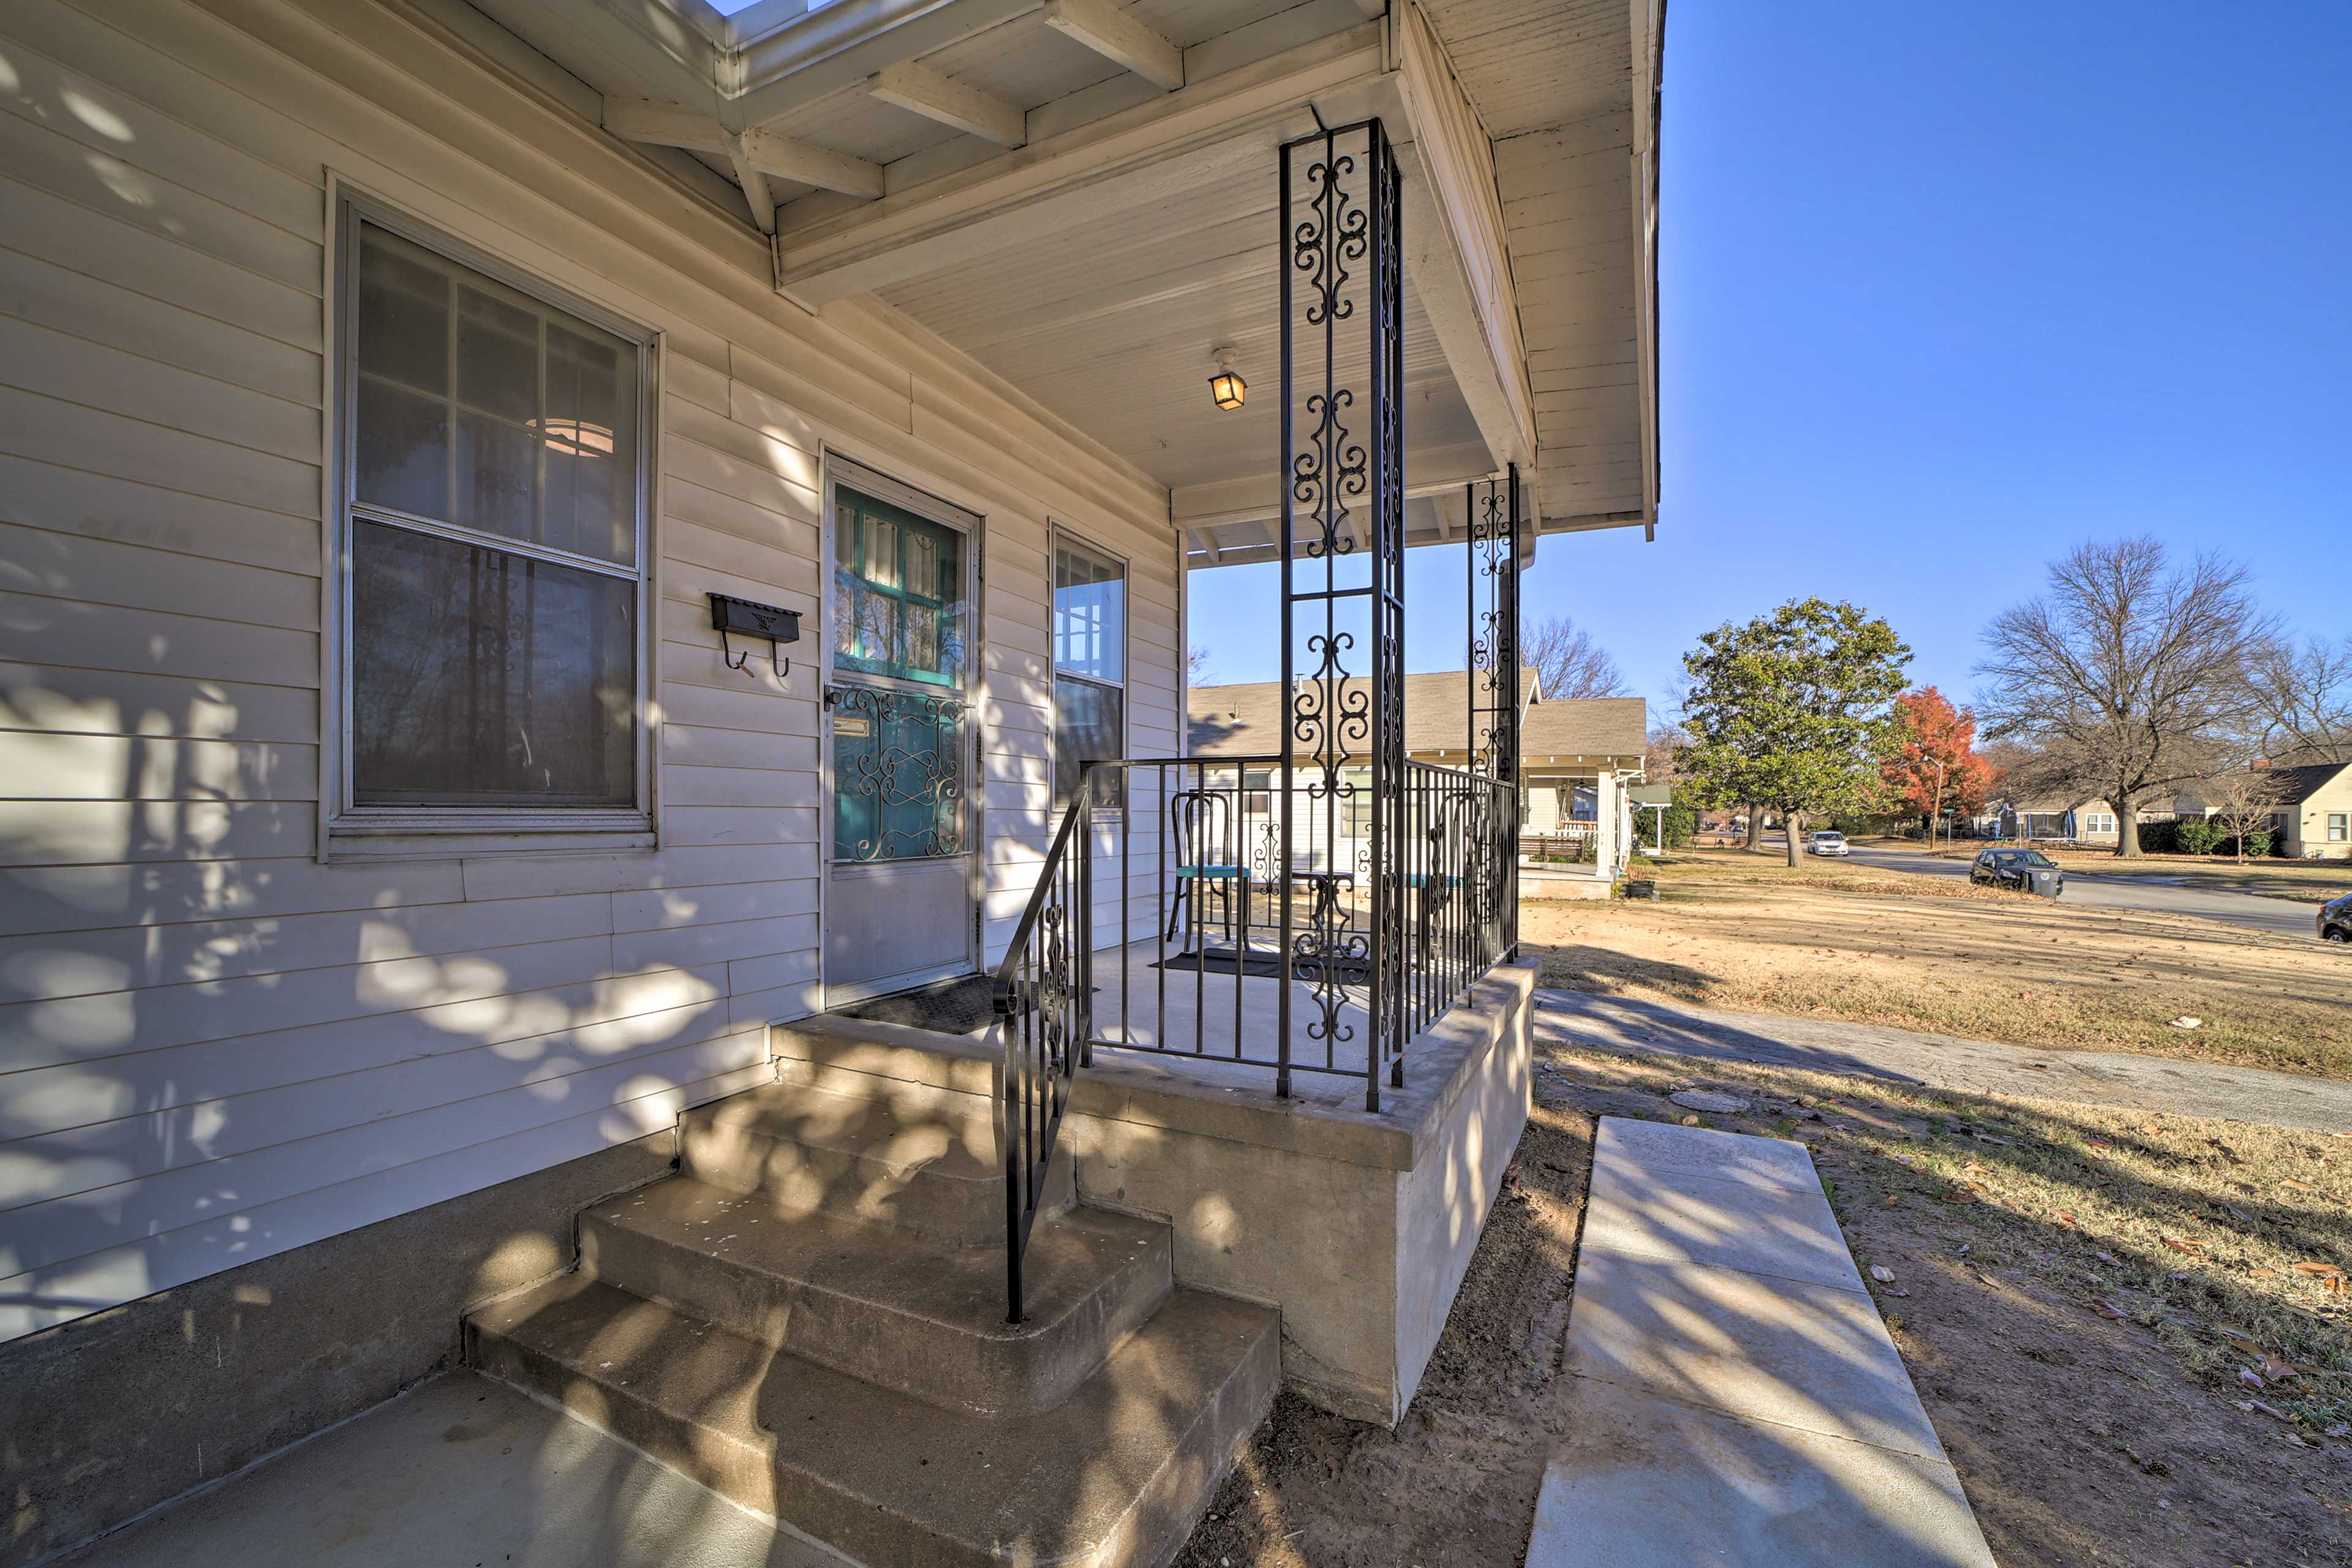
(1576, 755)
(416, 416)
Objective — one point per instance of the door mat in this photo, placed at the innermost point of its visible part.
(963, 1005)
(1265, 966)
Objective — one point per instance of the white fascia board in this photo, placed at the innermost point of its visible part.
(667, 125)
(1455, 248)
(1140, 156)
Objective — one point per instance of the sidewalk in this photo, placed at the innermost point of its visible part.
(1736, 1397)
(457, 1472)
(1947, 1061)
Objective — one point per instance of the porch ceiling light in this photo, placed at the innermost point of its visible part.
(1226, 386)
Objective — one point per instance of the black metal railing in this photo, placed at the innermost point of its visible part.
(1158, 927)
(1045, 1000)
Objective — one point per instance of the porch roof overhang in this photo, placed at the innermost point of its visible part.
(1079, 195)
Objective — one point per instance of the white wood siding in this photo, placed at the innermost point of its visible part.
(214, 1044)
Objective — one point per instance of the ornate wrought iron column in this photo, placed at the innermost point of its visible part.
(1342, 597)
(1494, 675)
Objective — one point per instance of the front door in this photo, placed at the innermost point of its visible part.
(900, 885)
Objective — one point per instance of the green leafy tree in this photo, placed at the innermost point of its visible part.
(1793, 710)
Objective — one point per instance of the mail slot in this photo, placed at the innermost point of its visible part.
(857, 726)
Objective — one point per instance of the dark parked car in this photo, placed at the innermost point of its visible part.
(2335, 920)
(2027, 870)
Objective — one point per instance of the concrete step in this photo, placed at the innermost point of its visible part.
(1115, 1474)
(929, 1171)
(921, 1317)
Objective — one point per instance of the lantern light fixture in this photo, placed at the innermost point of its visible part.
(1226, 385)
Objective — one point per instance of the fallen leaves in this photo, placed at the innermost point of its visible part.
(2330, 1277)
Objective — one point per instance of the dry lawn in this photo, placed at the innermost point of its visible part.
(2132, 1333)
(1744, 933)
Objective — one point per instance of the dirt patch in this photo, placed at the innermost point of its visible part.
(2100, 1307)
(1454, 1485)
(1885, 947)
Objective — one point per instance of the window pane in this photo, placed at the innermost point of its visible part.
(498, 356)
(532, 411)
(401, 460)
(496, 481)
(592, 443)
(922, 566)
(889, 564)
(484, 678)
(881, 560)
(404, 326)
(1090, 613)
(1086, 727)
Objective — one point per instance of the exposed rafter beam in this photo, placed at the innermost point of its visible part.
(834, 48)
(756, 155)
(1215, 129)
(921, 90)
(1118, 38)
(804, 164)
(755, 190)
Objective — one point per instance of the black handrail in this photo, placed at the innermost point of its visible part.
(1045, 1002)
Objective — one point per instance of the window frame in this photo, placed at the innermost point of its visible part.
(1055, 675)
(346, 819)
(2339, 827)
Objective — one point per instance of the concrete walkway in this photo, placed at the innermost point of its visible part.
(456, 1472)
(1736, 1398)
(1946, 1061)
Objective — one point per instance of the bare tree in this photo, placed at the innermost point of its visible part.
(2127, 671)
(1666, 737)
(2307, 700)
(2242, 800)
(1196, 667)
(1569, 662)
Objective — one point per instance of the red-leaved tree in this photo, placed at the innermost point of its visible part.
(1936, 768)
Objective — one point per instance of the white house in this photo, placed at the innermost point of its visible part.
(546, 547)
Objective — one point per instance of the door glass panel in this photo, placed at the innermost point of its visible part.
(898, 597)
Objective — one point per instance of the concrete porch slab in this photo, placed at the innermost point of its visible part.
(458, 1470)
(1359, 1225)
(1736, 1396)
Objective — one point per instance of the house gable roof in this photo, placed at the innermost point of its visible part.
(1246, 719)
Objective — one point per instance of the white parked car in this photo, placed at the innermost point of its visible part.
(1825, 843)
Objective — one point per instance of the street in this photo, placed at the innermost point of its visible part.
(2135, 894)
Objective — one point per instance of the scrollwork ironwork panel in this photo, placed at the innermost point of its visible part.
(1342, 543)
(898, 774)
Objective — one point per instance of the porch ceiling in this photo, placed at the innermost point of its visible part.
(1079, 194)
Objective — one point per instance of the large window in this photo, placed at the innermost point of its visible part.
(492, 548)
(1090, 668)
(2339, 827)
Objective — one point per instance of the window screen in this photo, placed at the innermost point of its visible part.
(494, 570)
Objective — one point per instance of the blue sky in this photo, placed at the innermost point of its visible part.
(1946, 290)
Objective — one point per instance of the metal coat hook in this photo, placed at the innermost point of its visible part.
(778, 625)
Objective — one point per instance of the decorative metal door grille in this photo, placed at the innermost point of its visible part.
(898, 768)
